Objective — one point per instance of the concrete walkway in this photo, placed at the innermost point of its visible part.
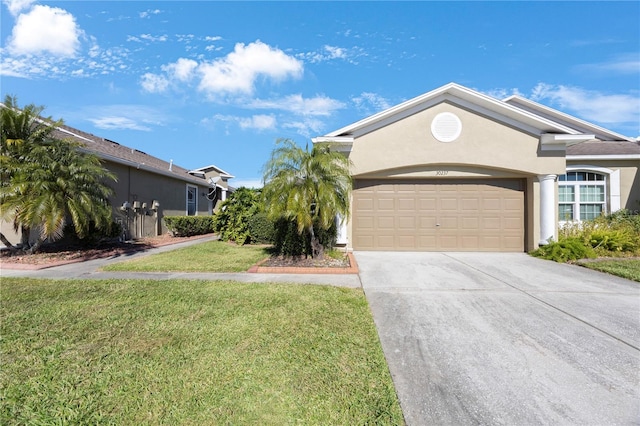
(91, 270)
(505, 339)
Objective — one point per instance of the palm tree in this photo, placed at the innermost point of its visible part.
(308, 187)
(50, 180)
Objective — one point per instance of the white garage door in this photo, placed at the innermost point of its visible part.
(419, 215)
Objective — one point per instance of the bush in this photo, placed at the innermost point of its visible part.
(187, 226)
(232, 220)
(288, 242)
(565, 251)
(94, 234)
(261, 229)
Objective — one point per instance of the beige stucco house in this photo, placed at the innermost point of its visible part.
(148, 188)
(457, 170)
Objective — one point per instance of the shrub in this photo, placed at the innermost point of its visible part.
(288, 242)
(186, 226)
(566, 250)
(261, 229)
(232, 220)
(93, 235)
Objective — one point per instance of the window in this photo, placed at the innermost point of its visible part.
(192, 200)
(581, 196)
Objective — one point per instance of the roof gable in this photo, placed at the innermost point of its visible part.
(461, 96)
(565, 119)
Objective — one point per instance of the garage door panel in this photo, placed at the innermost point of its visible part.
(461, 215)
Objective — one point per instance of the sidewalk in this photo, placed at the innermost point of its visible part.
(91, 270)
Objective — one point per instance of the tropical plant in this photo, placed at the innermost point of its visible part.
(309, 187)
(232, 220)
(47, 180)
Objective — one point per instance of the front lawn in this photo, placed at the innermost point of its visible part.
(625, 268)
(212, 256)
(189, 352)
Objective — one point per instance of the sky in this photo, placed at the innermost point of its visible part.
(209, 82)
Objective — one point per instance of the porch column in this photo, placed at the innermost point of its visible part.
(341, 225)
(547, 208)
(223, 196)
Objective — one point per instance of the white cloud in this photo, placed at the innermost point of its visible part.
(370, 103)
(316, 106)
(306, 127)
(17, 6)
(45, 29)
(182, 70)
(238, 71)
(622, 64)
(152, 38)
(147, 13)
(258, 122)
(154, 83)
(591, 105)
(328, 53)
(122, 117)
(501, 93)
(118, 123)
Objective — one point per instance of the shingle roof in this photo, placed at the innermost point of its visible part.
(604, 148)
(113, 151)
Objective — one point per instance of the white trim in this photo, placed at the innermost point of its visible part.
(187, 200)
(558, 142)
(593, 157)
(562, 118)
(613, 182)
(460, 95)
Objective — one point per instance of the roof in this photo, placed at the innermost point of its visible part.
(565, 119)
(217, 169)
(609, 148)
(459, 95)
(113, 151)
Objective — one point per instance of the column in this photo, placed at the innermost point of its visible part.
(223, 196)
(547, 208)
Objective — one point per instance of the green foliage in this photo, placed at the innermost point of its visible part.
(46, 180)
(186, 226)
(288, 242)
(93, 235)
(611, 235)
(307, 187)
(261, 229)
(568, 249)
(232, 220)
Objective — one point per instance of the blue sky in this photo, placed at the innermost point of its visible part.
(206, 82)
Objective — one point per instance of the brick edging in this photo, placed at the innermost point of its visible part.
(352, 269)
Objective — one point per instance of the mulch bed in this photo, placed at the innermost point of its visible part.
(306, 262)
(58, 252)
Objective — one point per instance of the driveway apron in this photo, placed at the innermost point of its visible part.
(493, 338)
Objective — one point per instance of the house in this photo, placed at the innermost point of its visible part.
(457, 170)
(148, 188)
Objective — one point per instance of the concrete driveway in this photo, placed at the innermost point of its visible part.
(489, 338)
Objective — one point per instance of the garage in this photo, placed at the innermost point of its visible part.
(439, 215)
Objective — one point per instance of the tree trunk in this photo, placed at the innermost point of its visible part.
(24, 238)
(7, 243)
(35, 247)
(317, 251)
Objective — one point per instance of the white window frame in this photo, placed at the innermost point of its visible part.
(610, 183)
(195, 200)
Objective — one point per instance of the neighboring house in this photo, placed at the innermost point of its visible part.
(457, 170)
(148, 188)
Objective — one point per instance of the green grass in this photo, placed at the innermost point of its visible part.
(212, 256)
(189, 353)
(625, 268)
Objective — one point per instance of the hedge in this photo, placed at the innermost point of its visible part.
(186, 226)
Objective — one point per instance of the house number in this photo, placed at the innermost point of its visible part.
(442, 172)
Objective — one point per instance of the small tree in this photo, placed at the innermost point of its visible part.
(232, 220)
(48, 180)
(309, 187)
